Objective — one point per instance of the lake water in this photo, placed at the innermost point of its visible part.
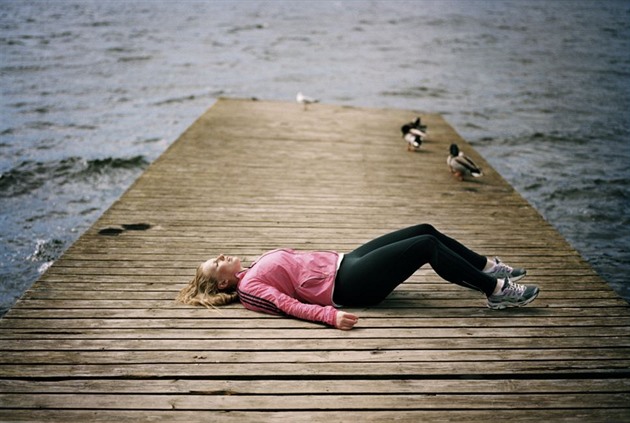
(93, 91)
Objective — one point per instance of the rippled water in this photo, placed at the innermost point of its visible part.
(93, 91)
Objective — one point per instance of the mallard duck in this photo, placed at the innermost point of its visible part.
(418, 125)
(304, 100)
(413, 136)
(461, 165)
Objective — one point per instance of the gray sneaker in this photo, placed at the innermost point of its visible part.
(513, 295)
(502, 271)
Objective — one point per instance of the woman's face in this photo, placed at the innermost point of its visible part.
(223, 268)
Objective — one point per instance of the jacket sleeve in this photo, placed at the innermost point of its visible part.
(259, 296)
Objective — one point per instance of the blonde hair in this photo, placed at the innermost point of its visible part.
(203, 290)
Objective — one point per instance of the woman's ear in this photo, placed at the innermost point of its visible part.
(222, 284)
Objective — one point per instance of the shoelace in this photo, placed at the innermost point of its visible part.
(512, 288)
(502, 268)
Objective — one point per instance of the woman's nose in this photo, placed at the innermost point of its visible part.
(221, 257)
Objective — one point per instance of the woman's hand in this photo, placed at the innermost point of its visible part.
(345, 321)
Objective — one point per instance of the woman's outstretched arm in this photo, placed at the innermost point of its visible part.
(259, 296)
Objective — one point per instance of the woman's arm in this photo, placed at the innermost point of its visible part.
(259, 296)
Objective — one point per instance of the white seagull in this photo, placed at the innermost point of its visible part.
(304, 100)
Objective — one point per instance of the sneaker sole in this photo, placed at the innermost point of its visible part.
(511, 305)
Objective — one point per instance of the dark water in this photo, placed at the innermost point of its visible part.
(93, 91)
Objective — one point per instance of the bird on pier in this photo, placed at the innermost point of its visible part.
(461, 165)
(418, 125)
(414, 133)
(304, 100)
(413, 136)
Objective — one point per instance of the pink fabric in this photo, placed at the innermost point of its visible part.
(286, 281)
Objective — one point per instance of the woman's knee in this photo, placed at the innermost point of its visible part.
(425, 229)
(423, 248)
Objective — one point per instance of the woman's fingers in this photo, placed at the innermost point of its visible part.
(346, 321)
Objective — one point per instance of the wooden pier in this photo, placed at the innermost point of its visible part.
(100, 338)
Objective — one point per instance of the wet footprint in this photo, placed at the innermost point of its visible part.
(111, 231)
(117, 230)
(136, 226)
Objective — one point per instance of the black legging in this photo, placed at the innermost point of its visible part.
(371, 272)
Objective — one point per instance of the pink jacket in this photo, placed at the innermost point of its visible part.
(299, 284)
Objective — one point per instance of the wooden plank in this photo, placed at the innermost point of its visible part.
(301, 387)
(407, 296)
(306, 370)
(307, 403)
(366, 322)
(317, 416)
(319, 332)
(334, 344)
(543, 302)
(314, 356)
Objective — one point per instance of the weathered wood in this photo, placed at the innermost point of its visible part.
(315, 356)
(350, 386)
(336, 370)
(367, 322)
(100, 338)
(311, 402)
(302, 344)
(262, 332)
(317, 416)
(422, 302)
